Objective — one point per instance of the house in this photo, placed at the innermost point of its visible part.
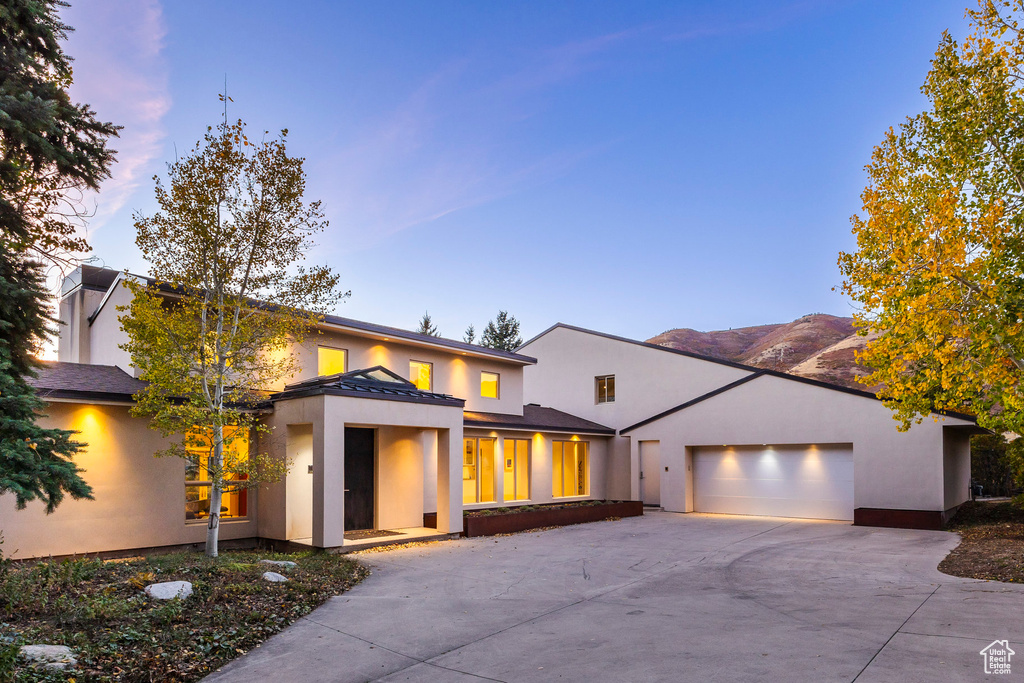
(396, 433)
(695, 433)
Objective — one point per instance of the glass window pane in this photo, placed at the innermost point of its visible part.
(610, 389)
(330, 361)
(489, 384)
(488, 483)
(234, 503)
(197, 502)
(522, 465)
(569, 469)
(469, 471)
(421, 374)
(556, 468)
(509, 469)
(582, 468)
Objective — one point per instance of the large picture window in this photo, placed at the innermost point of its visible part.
(570, 469)
(605, 389)
(517, 469)
(198, 484)
(330, 361)
(421, 374)
(478, 471)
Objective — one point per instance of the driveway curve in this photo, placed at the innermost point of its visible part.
(663, 597)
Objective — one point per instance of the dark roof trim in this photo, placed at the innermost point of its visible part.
(440, 400)
(739, 366)
(86, 396)
(683, 406)
(473, 424)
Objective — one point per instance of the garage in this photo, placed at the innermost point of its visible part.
(807, 481)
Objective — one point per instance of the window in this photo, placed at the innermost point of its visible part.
(570, 469)
(421, 374)
(330, 361)
(606, 389)
(517, 469)
(478, 471)
(489, 382)
(198, 484)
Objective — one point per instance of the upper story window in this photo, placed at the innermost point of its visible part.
(422, 375)
(605, 389)
(330, 361)
(489, 384)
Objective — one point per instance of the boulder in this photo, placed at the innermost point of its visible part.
(50, 656)
(274, 577)
(285, 564)
(169, 590)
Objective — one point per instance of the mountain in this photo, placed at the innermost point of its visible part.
(816, 346)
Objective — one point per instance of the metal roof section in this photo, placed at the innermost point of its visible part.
(536, 418)
(376, 383)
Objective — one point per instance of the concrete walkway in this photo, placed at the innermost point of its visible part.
(665, 597)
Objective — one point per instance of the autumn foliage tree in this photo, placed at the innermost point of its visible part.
(939, 265)
(227, 302)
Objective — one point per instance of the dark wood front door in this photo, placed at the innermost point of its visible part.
(359, 484)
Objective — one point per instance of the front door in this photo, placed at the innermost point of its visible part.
(359, 483)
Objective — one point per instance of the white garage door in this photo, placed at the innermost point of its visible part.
(814, 482)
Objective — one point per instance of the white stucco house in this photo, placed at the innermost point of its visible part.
(391, 432)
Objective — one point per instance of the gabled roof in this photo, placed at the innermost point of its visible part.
(377, 382)
(536, 418)
(56, 379)
(755, 373)
(113, 277)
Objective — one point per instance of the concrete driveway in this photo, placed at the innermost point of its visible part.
(665, 597)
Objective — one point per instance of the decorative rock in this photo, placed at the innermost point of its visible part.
(274, 577)
(169, 590)
(50, 656)
(287, 564)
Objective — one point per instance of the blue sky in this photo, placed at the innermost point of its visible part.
(630, 167)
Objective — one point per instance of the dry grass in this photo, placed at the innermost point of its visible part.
(992, 543)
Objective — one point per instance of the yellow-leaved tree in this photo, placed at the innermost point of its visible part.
(226, 303)
(939, 266)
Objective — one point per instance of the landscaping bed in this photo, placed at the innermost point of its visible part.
(992, 542)
(512, 519)
(119, 633)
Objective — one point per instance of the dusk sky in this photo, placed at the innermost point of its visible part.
(630, 167)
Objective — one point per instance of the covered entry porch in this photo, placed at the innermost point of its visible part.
(370, 456)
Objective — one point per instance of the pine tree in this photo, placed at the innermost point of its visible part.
(35, 463)
(502, 333)
(49, 148)
(470, 335)
(427, 327)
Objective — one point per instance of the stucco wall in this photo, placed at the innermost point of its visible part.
(454, 374)
(400, 465)
(647, 380)
(106, 333)
(139, 499)
(892, 469)
(956, 464)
